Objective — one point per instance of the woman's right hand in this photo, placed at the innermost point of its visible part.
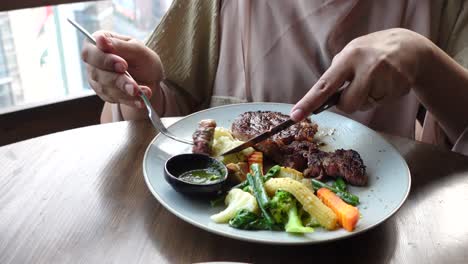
(107, 62)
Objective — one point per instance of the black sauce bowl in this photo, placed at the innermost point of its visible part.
(178, 164)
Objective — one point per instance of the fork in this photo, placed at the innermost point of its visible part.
(153, 116)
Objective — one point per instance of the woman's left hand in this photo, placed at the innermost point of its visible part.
(380, 67)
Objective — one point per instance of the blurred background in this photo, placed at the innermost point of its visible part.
(40, 51)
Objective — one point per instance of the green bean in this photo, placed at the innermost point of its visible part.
(340, 184)
(344, 195)
(256, 182)
(272, 172)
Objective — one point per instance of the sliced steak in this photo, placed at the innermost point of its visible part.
(341, 163)
(203, 137)
(288, 148)
(250, 124)
(295, 154)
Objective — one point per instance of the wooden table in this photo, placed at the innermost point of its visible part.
(79, 196)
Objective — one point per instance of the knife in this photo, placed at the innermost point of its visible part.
(331, 101)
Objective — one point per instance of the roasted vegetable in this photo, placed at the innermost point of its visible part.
(307, 219)
(294, 224)
(224, 141)
(256, 157)
(271, 173)
(247, 220)
(237, 172)
(256, 182)
(340, 184)
(280, 205)
(236, 200)
(346, 196)
(348, 215)
(311, 204)
(283, 207)
(287, 172)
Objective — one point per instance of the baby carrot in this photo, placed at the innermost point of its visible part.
(348, 215)
(256, 157)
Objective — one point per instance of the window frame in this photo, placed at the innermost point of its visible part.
(20, 4)
(32, 120)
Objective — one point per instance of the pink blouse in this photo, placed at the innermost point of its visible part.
(275, 50)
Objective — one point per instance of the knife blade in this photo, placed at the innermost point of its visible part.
(331, 101)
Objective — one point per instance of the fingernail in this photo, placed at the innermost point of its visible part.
(147, 93)
(138, 104)
(297, 115)
(129, 89)
(119, 67)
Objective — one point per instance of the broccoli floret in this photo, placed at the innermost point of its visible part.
(280, 205)
(294, 224)
(283, 208)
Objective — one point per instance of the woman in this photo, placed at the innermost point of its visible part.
(207, 53)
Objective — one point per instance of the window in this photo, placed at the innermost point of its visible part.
(40, 51)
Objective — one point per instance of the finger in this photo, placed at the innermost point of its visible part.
(99, 89)
(355, 95)
(388, 89)
(104, 40)
(147, 91)
(388, 86)
(329, 83)
(128, 48)
(368, 104)
(110, 34)
(111, 94)
(132, 103)
(106, 61)
(136, 100)
(121, 81)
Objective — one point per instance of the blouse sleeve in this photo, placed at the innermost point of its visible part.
(453, 39)
(453, 31)
(186, 41)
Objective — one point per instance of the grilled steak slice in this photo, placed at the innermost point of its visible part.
(250, 124)
(287, 147)
(295, 154)
(345, 163)
(203, 137)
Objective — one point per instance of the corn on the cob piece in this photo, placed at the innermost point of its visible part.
(287, 172)
(308, 183)
(311, 204)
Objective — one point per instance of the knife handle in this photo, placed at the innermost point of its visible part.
(331, 101)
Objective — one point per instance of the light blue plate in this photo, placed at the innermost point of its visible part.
(389, 176)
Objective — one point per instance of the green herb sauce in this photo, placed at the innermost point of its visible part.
(201, 176)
